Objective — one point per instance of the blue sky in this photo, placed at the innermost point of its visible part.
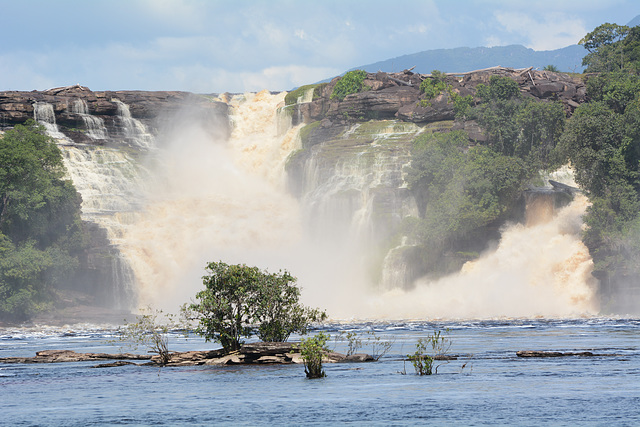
(247, 45)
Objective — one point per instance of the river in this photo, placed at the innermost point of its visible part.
(495, 387)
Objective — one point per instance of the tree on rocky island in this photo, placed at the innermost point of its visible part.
(238, 298)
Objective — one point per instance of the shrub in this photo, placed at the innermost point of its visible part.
(350, 83)
(312, 349)
(150, 331)
(421, 360)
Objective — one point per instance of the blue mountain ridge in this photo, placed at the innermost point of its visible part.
(462, 59)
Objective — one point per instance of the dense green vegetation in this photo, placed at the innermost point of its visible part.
(312, 350)
(465, 192)
(40, 226)
(602, 141)
(236, 298)
(351, 82)
(612, 48)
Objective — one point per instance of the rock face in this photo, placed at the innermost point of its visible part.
(90, 117)
(397, 95)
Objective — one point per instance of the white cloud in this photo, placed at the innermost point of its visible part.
(206, 80)
(551, 31)
(492, 41)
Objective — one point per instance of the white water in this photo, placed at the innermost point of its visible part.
(226, 200)
(135, 132)
(43, 113)
(94, 125)
(543, 270)
(211, 201)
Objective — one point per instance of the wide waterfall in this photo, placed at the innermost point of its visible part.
(184, 198)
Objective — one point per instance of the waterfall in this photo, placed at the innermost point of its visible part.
(542, 269)
(135, 132)
(43, 113)
(195, 199)
(94, 125)
(215, 200)
(360, 191)
(111, 183)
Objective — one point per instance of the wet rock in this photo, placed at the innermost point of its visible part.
(114, 364)
(254, 353)
(359, 358)
(533, 353)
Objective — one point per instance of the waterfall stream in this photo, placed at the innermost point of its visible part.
(182, 199)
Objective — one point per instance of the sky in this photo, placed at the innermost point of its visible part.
(216, 46)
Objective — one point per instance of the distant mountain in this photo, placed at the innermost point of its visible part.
(634, 22)
(464, 59)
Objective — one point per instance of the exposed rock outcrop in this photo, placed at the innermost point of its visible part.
(397, 95)
(76, 107)
(254, 353)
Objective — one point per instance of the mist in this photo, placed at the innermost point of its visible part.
(209, 198)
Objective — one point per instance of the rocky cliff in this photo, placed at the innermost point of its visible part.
(104, 117)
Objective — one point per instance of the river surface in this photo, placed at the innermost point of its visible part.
(494, 387)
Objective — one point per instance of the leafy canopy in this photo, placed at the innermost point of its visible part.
(237, 297)
(40, 226)
(350, 83)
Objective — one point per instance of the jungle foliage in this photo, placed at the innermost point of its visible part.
(602, 141)
(351, 82)
(463, 191)
(40, 226)
(238, 300)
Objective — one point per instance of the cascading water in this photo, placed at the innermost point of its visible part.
(211, 201)
(111, 183)
(135, 132)
(94, 125)
(43, 113)
(199, 200)
(541, 269)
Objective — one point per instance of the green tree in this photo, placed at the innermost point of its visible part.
(278, 312)
(540, 126)
(602, 142)
(40, 226)
(606, 50)
(237, 297)
(500, 103)
(551, 68)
